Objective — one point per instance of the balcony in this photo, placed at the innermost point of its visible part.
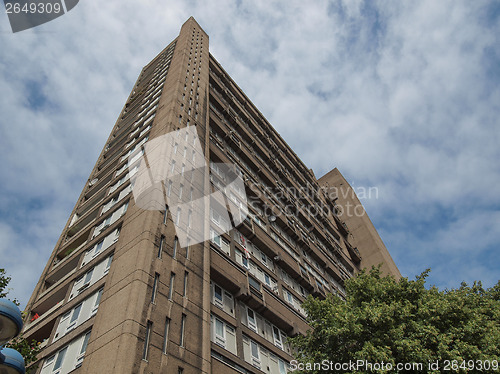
(246, 228)
(224, 271)
(354, 252)
(272, 249)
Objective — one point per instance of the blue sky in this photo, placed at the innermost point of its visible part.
(401, 96)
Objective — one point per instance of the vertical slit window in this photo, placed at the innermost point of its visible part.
(165, 335)
(165, 214)
(176, 244)
(146, 340)
(183, 327)
(171, 285)
(184, 290)
(160, 248)
(178, 217)
(155, 287)
(169, 190)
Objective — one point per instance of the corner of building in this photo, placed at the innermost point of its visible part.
(363, 234)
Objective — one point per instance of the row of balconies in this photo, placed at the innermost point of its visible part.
(280, 168)
(257, 296)
(245, 108)
(277, 167)
(51, 302)
(297, 234)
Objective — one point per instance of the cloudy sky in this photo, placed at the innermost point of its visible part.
(401, 96)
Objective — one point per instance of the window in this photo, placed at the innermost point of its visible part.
(85, 343)
(222, 299)
(282, 367)
(218, 295)
(214, 238)
(155, 287)
(176, 243)
(172, 168)
(184, 291)
(252, 324)
(108, 264)
(178, 217)
(190, 214)
(171, 285)
(180, 371)
(215, 217)
(220, 338)
(88, 278)
(146, 340)
(169, 190)
(225, 246)
(74, 317)
(60, 358)
(160, 248)
(83, 349)
(242, 258)
(98, 248)
(188, 245)
(255, 354)
(165, 334)
(183, 326)
(277, 337)
(165, 214)
(254, 283)
(97, 302)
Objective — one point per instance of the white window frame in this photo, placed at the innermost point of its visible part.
(217, 302)
(252, 321)
(83, 350)
(255, 359)
(97, 302)
(278, 342)
(220, 339)
(75, 315)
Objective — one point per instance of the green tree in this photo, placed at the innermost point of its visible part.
(389, 321)
(4, 282)
(29, 350)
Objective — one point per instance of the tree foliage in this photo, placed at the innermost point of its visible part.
(29, 350)
(4, 282)
(384, 320)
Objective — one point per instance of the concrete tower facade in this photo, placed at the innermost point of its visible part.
(131, 288)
